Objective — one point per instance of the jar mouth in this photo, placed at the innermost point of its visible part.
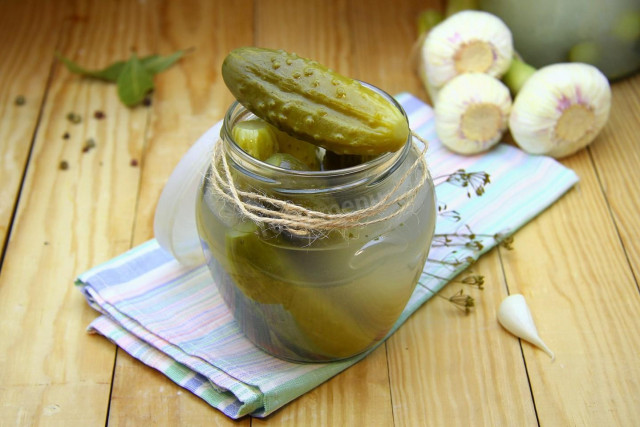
(237, 112)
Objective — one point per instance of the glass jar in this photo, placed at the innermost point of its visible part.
(312, 297)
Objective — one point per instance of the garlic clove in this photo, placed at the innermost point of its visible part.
(514, 315)
(560, 109)
(468, 41)
(472, 113)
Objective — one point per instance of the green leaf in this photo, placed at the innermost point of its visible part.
(134, 77)
(156, 63)
(134, 82)
(110, 73)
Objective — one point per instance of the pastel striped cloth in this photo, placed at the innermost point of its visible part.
(172, 318)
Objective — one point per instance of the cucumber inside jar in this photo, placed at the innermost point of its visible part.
(264, 142)
(337, 311)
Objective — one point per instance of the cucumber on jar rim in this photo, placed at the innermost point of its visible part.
(310, 102)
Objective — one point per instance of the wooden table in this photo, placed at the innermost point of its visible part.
(578, 263)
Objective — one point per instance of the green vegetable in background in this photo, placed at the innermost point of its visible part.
(133, 77)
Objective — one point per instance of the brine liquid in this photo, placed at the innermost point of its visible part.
(319, 300)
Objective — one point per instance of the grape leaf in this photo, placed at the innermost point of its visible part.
(134, 82)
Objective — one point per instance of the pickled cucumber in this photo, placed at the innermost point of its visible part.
(326, 317)
(305, 152)
(286, 161)
(255, 267)
(335, 330)
(333, 161)
(312, 103)
(256, 138)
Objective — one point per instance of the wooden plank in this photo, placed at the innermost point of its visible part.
(384, 36)
(575, 263)
(189, 98)
(69, 220)
(316, 29)
(143, 396)
(425, 380)
(585, 301)
(348, 399)
(616, 155)
(33, 28)
(448, 368)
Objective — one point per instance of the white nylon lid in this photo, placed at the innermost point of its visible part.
(174, 224)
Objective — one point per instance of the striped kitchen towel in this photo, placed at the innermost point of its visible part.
(172, 318)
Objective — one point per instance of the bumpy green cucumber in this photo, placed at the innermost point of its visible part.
(312, 103)
(286, 161)
(256, 137)
(305, 152)
(267, 276)
(255, 267)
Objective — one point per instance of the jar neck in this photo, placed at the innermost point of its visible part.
(287, 181)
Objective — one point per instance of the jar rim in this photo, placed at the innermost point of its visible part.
(393, 158)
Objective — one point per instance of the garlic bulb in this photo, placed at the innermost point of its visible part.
(472, 112)
(466, 42)
(514, 315)
(560, 109)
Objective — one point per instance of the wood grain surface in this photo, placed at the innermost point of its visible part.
(577, 263)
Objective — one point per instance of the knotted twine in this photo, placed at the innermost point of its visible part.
(303, 221)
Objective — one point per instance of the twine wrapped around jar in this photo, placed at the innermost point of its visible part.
(301, 221)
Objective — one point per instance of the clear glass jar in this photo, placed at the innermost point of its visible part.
(313, 298)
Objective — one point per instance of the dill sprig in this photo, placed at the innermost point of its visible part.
(474, 183)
